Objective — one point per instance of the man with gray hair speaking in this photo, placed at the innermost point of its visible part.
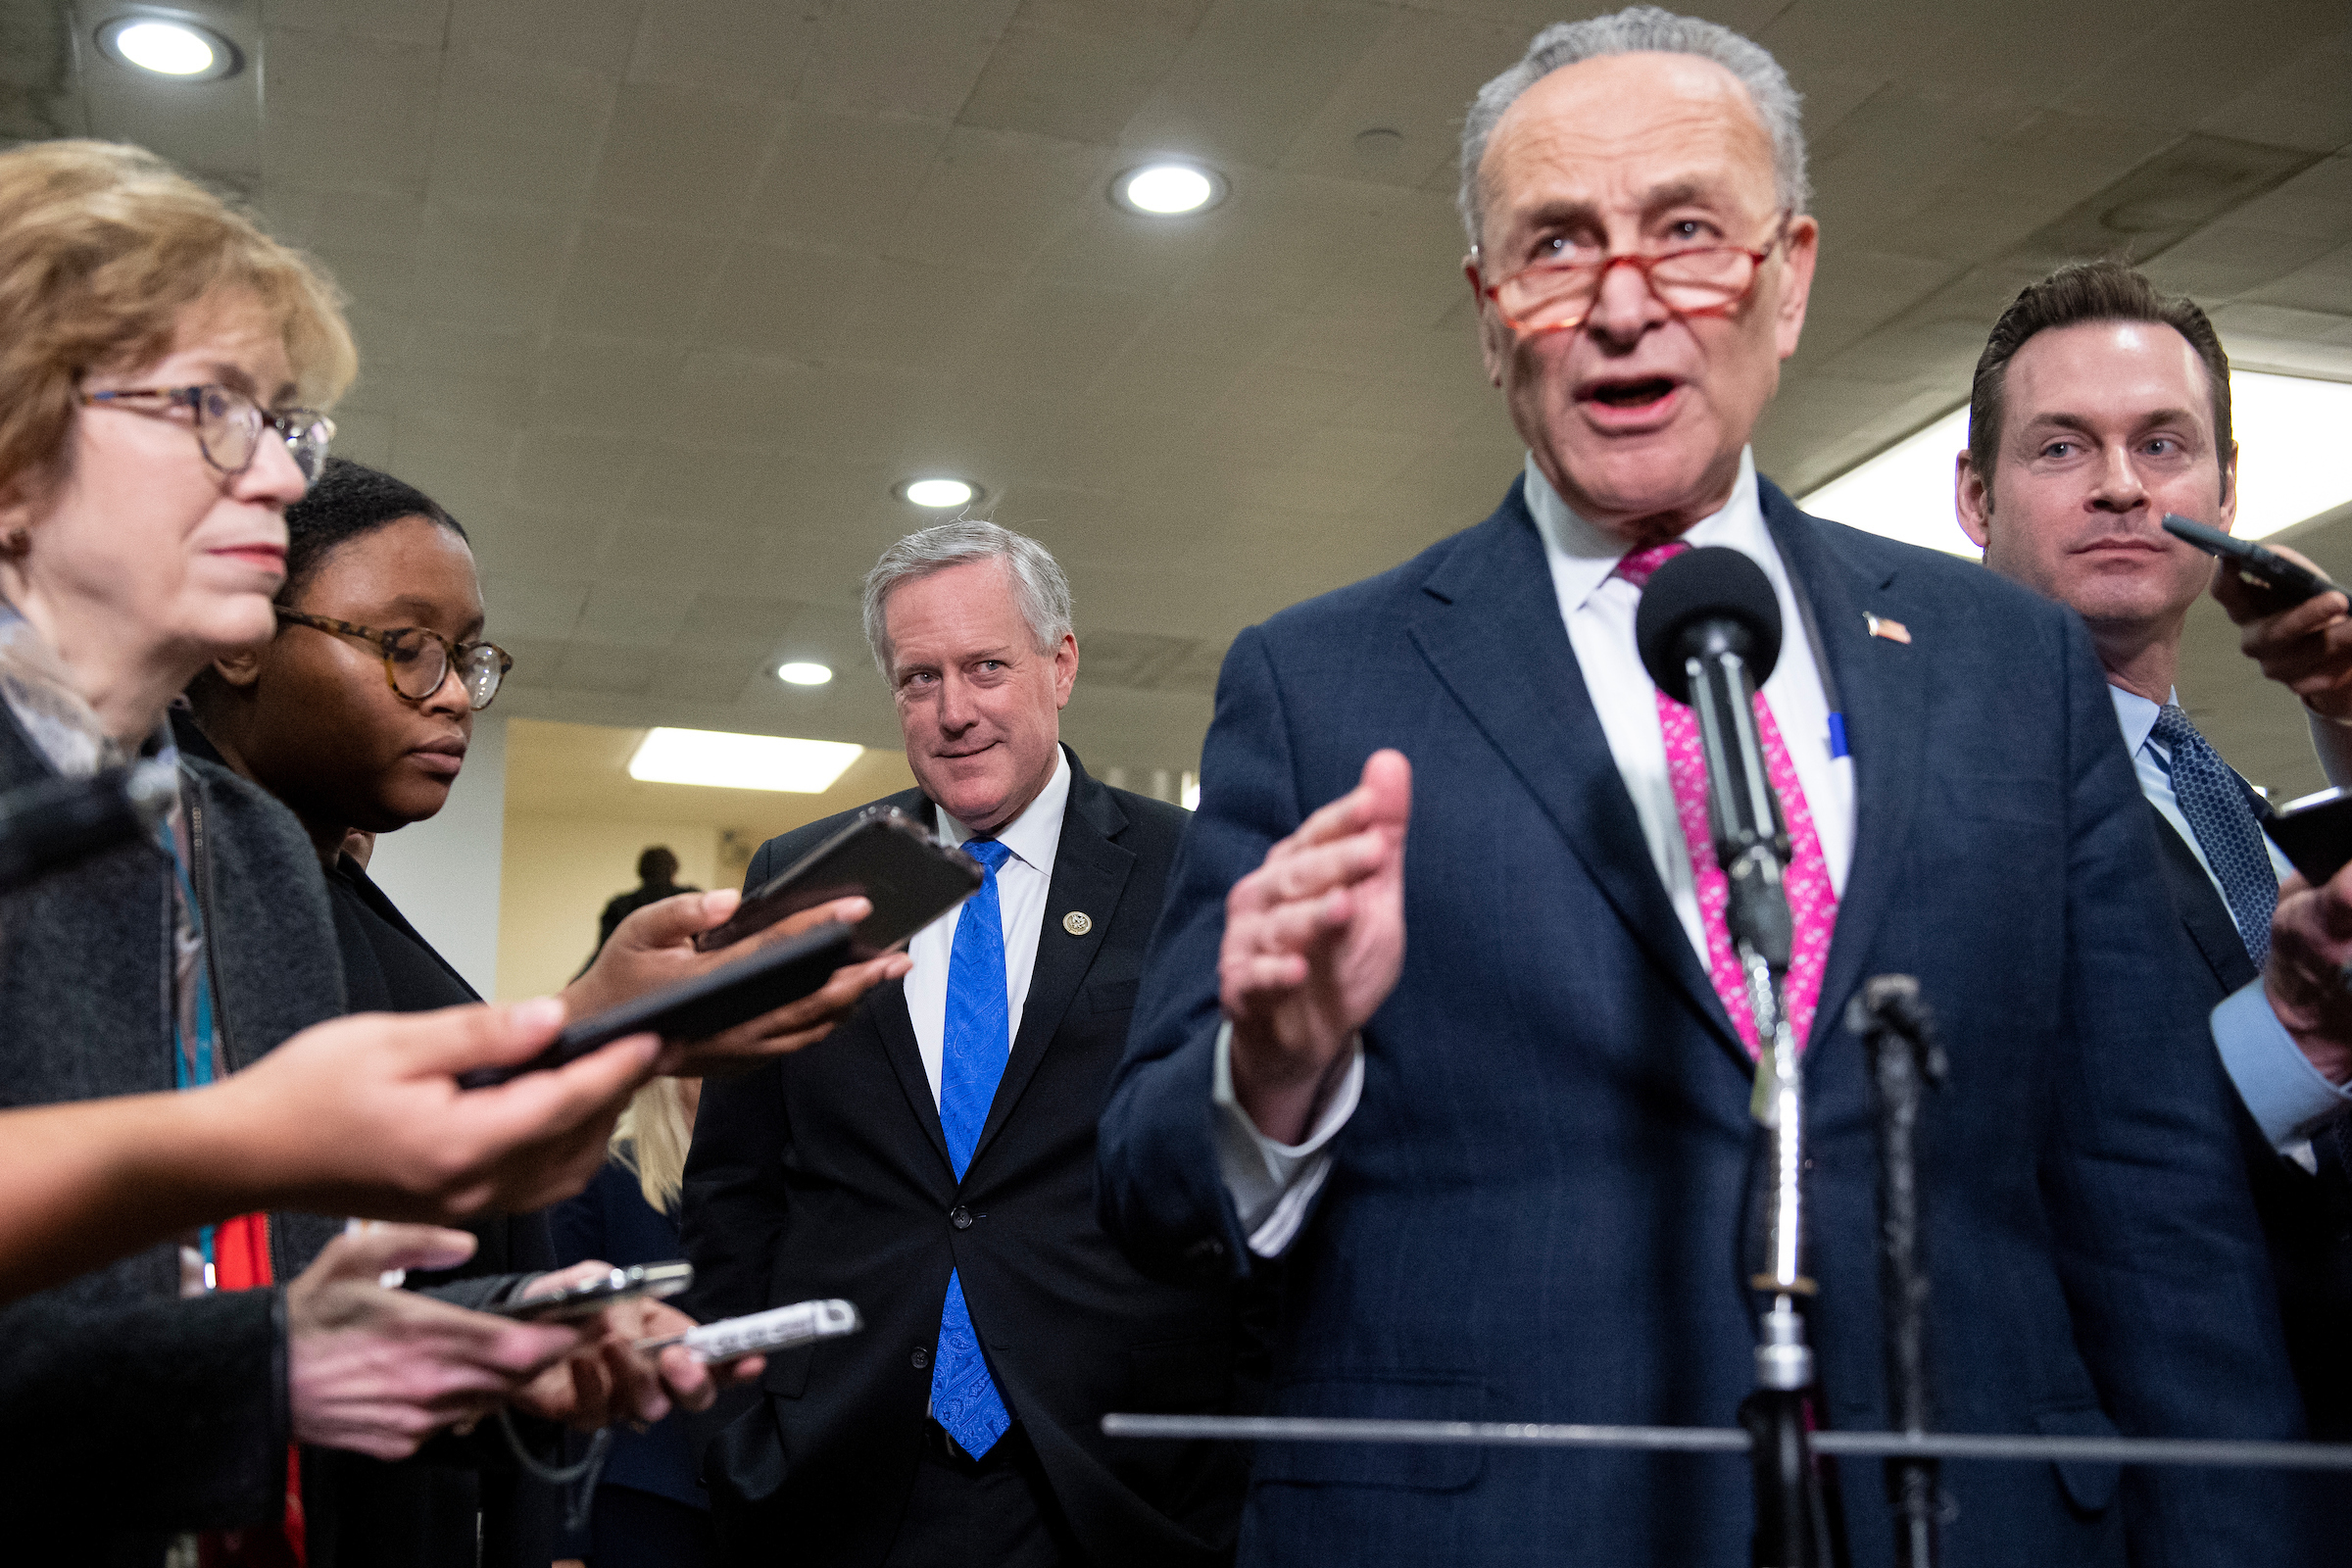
(1444, 1015)
(936, 1167)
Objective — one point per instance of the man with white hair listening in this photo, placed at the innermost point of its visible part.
(1444, 1015)
(934, 1164)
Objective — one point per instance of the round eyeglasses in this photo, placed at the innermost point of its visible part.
(229, 424)
(1700, 280)
(416, 661)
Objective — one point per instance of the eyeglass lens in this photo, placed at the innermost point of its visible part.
(1685, 280)
(230, 427)
(419, 664)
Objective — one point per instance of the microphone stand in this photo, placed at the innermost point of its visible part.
(1905, 1061)
(1751, 843)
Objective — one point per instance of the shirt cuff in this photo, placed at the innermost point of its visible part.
(1273, 1185)
(2282, 1090)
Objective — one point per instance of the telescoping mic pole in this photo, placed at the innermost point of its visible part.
(1710, 632)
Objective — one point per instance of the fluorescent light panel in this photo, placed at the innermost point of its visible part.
(2293, 463)
(723, 761)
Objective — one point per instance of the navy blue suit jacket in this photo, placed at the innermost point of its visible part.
(1536, 1211)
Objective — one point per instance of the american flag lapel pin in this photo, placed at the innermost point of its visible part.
(1894, 631)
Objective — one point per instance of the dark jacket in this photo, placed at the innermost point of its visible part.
(825, 1174)
(2306, 1216)
(1536, 1211)
(459, 1503)
(125, 1413)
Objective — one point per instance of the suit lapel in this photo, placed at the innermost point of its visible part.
(1489, 627)
(2202, 911)
(1090, 871)
(1882, 685)
(896, 1025)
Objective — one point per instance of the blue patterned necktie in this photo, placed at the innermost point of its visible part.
(2215, 804)
(977, 1040)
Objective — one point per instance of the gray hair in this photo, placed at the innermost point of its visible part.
(1641, 30)
(1039, 589)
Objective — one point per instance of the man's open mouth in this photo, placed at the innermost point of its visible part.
(1631, 394)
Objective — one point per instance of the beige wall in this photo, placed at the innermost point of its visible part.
(558, 873)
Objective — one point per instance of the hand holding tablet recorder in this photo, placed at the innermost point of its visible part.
(2279, 582)
(884, 857)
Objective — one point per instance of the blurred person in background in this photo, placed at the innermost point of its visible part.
(357, 715)
(656, 879)
(649, 1510)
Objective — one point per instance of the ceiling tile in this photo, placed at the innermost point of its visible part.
(493, 266)
(637, 280)
(842, 183)
(1078, 70)
(682, 157)
(416, 22)
(1253, 77)
(1416, 79)
(596, 35)
(773, 299)
(734, 48)
(995, 198)
(516, 130)
(902, 57)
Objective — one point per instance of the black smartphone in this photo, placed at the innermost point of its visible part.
(2279, 582)
(731, 994)
(2315, 833)
(591, 1296)
(887, 856)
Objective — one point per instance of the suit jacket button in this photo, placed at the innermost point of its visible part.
(960, 1218)
(1077, 922)
(921, 1359)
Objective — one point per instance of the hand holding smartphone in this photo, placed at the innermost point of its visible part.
(732, 1338)
(884, 857)
(2276, 581)
(573, 1302)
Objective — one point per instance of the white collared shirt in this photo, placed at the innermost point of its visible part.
(1022, 882)
(1273, 1184)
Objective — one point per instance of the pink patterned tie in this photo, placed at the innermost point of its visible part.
(1812, 900)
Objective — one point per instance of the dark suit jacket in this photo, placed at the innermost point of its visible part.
(1535, 1210)
(826, 1174)
(2306, 1217)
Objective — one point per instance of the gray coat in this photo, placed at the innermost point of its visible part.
(126, 1413)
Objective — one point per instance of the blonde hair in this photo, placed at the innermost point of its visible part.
(651, 1140)
(103, 250)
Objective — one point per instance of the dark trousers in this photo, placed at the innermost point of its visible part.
(996, 1509)
(632, 1528)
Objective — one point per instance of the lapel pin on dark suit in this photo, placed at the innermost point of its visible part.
(1077, 922)
(1894, 631)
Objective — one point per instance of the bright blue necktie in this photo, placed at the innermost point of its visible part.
(2215, 806)
(976, 1042)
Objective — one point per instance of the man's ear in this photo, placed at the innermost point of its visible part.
(1972, 499)
(241, 669)
(1494, 339)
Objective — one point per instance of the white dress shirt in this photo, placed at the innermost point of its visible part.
(1274, 1184)
(2282, 1090)
(1022, 882)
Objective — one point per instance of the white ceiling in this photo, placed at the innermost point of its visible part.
(663, 297)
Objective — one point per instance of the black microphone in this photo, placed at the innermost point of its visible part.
(1709, 631)
(60, 820)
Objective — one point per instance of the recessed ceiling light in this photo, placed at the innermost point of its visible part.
(1164, 190)
(741, 761)
(800, 673)
(937, 493)
(179, 50)
(2293, 464)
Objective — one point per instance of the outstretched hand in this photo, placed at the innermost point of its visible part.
(2306, 648)
(655, 946)
(2305, 979)
(1314, 942)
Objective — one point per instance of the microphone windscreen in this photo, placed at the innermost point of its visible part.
(1697, 588)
